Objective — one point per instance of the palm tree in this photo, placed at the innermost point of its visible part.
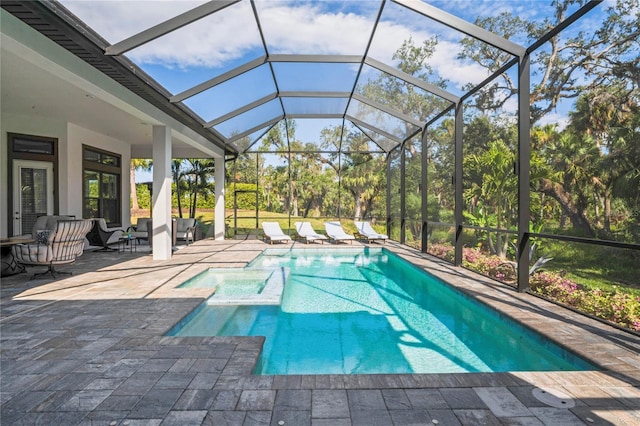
(137, 163)
(199, 180)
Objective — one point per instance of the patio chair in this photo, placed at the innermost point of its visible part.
(308, 234)
(59, 247)
(99, 235)
(47, 222)
(366, 232)
(142, 229)
(272, 232)
(336, 233)
(186, 229)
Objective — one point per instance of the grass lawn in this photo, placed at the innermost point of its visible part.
(594, 266)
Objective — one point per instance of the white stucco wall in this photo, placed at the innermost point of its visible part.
(70, 137)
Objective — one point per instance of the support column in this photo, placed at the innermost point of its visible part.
(523, 167)
(457, 183)
(161, 216)
(423, 191)
(403, 209)
(219, 224)
(388, 196)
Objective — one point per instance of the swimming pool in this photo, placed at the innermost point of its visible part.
(367, 311)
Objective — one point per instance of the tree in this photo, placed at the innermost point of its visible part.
(136, 163)
(178, 174)
(567, 65)
(199, 178)
(492, 193)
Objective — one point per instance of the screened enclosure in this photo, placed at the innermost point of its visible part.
(501, 136)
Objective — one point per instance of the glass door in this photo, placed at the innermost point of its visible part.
(32, 193)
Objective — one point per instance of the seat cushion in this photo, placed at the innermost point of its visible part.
(143, 225)
(32, 253)
(48, 222)
(184, 223)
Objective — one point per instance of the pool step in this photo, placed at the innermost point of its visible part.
(271, 293)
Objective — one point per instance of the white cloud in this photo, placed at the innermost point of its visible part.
(212, 41)
(116, 20)
(305, 29)
(226, 36)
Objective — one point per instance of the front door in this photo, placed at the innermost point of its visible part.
(32, 193)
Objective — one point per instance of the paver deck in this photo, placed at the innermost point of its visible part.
(91, 349)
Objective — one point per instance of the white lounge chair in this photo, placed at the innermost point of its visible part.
(336, 233)
(366, 232)
(308, 234)
(273, 232)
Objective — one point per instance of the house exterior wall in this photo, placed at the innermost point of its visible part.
(11, 123)
(78, 136)
(70, 137)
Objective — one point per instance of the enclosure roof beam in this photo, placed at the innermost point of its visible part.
(255, 128)
(463, 26)
(297, 151)
(256, 15)
(219, 79)
(301, 94)
(267, 129)
(440, 115)
(302, 115)
(241, 110)
(361, 123)
(341, 140)
(564, 24)
(366, 52)
(431, 88)
(386, 109)
(366, 135)
(489, 79)
(344, 59)
(167, 26)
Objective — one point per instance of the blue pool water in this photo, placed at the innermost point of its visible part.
(367, 311)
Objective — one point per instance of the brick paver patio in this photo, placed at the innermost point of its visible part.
(91, 349)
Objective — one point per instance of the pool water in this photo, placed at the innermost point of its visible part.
(367, 311)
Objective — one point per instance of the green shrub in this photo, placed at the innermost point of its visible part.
(246, 200)
(620, 308)
(615, 306)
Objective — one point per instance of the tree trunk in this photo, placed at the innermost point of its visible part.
(357, 213)
(179, 197)
(132, 183)
(294, 204)
(307, 207)
(577, 217)
(607, 212)
(597, 202)
(192, 210)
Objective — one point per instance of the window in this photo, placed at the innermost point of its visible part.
(101, 194)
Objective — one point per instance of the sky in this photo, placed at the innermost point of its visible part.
(230, 37)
